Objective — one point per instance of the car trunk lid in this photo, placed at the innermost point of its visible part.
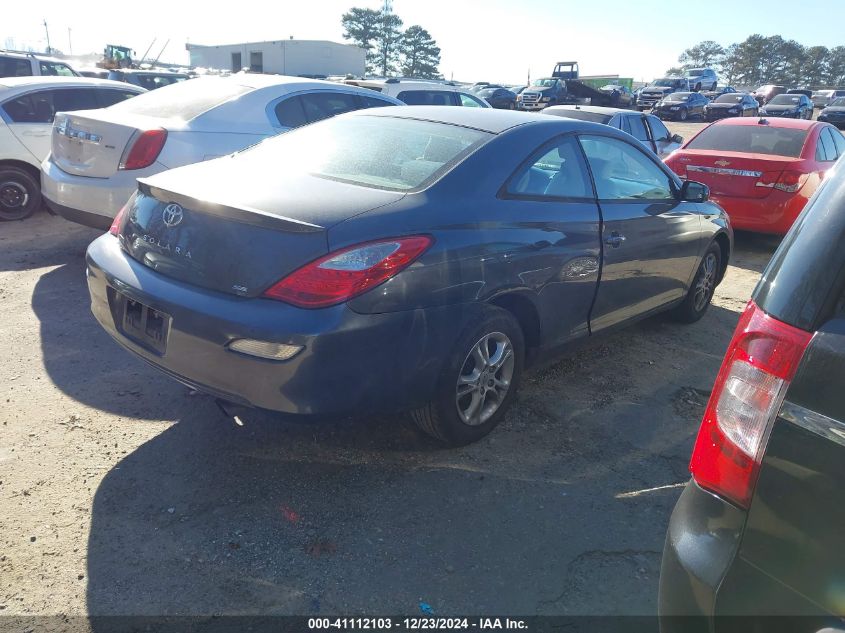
(731, 173)
(199, 225)
(91, 143)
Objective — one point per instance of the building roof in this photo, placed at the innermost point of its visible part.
(282, 41)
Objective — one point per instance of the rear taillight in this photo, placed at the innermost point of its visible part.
(349, 272)
(114, 229)
(789, 181)
(143, 149)
(761, 360)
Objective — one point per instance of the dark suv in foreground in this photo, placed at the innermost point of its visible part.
(758, 531)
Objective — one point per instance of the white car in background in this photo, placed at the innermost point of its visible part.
(417, 92)
(14, 64)
(98, 156)
(28, 106)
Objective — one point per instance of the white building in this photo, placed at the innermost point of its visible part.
(282, 57)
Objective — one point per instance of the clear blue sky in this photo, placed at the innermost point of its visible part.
(493, 40)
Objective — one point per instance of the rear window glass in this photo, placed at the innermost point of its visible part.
(581, 115)
(185, 100)
(378, 152)
(13, 67)
(426, 97)
(758, 139)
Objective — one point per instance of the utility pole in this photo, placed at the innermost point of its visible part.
(49, 48)
(69, 45)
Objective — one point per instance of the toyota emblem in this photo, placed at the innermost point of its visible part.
(172, 214)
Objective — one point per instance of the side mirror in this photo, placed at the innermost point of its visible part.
(692, 191)
(677, 138)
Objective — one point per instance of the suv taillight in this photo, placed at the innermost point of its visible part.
(143, 149)
(760, 362)
(347, 273)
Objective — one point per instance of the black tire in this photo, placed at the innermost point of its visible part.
(683, 114)
(20, 194)
(511, 105)
(706, 277)
(440, 418)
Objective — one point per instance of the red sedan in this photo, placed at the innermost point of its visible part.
(761, 171)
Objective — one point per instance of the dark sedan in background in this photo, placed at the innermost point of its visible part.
(680, 106)
(834, 113)
(620, 96)
(718, 92)
(791, 106)
(764, 94)
(498, 97)
(416, 259)
(731, 105)
(758, 530)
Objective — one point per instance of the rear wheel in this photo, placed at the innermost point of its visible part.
(478, 382)
(683, 114)
(703, 286)
(20, 194)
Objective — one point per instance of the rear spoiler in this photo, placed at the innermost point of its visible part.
(242, 214)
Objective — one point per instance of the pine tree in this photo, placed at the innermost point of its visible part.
(363, 27)
(420, 55)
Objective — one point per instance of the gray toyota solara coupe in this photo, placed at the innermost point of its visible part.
(414, 258)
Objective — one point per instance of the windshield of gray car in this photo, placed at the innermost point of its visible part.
(185, 100)
(840, 102)
(666, 83)
(379, 152)
(729, 98)
(753, 139)
(785, 100)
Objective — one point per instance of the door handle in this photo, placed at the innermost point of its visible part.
(615, 240)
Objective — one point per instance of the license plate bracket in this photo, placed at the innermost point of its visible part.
(146, 326)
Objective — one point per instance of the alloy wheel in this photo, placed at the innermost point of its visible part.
(485, 378)
(706, 282)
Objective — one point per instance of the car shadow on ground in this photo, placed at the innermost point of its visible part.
(551, 514)
(41, 241)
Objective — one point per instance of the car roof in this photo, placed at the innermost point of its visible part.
(484, 119)
(593, 109)
(794, 124)
(26, 83)
(39, 57)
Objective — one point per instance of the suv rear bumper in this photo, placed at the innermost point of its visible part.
(701, 543)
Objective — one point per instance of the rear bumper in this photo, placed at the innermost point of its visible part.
(773, 214)
(701, 544)
(90, 201)
(350, 362)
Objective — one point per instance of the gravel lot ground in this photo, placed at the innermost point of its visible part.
(124, 494)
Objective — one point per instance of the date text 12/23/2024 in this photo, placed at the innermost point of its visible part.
(416, 624)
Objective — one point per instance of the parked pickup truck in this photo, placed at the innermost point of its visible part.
(563, 87)
(660, 88)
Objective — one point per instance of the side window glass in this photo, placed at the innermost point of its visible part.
(468, 101)
(658, 131)
(624, 172)
(838, 140)
(373, 102)
(12, 67)
(638, 130)
(555, 172)
(70, 99)
(109, 97)
(828, 152)
(55, 70)
(322, 105)
(624, 125)
(426, 97)
(290, 112)
(20, 110)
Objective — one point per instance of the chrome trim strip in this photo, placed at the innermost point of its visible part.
(826, 427)
(725, 172)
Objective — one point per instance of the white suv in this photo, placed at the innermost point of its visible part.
(28, 106)
(32, 65)
(417, 92)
